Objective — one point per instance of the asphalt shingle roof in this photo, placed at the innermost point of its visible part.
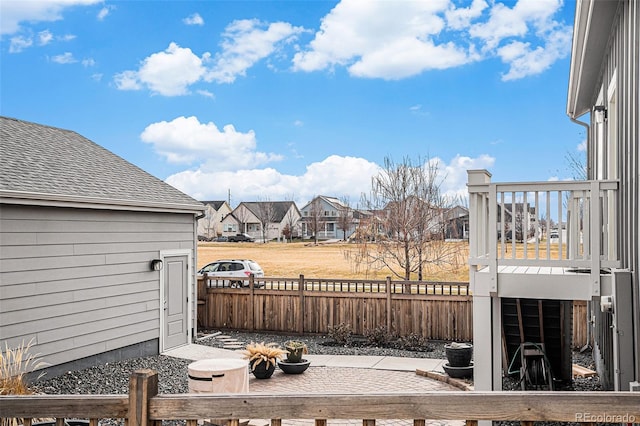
(55, 162)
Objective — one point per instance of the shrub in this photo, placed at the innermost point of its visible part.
(340, 333)
(414, 342)
(379, 336)
(15, 363)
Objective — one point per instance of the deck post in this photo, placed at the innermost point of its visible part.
(143, 385)
(301, 315)
(486, 306)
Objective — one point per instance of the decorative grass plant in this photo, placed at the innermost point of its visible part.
(15, 363)
(269, 353)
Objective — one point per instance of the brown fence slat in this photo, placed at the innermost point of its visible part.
(314, 305)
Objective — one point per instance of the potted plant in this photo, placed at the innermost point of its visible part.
(294, 364)
(459, 356)
(263, 358)
(295, 350)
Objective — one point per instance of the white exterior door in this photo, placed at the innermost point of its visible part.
(175, 301)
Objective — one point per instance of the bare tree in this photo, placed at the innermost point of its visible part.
(243, 215)
(209, 222)
(345, 217)
(266, 214)
(315, 218)
(413, 219)
(577, 166)
(291, 220)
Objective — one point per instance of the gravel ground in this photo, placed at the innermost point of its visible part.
(113, 378)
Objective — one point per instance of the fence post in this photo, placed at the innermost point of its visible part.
(143, 385)
(389, 304)
(301, 305)
(252, 323)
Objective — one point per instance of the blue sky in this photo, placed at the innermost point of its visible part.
(290, 99)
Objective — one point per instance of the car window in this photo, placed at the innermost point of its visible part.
(211, 267)
(236, 267)
(254, 266)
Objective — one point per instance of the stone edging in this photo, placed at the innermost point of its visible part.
(460, 384)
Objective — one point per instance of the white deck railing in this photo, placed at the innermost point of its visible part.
(503, 216)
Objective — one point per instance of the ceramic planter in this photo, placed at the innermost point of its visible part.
(263, 370)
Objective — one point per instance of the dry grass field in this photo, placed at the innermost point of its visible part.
(315, 261)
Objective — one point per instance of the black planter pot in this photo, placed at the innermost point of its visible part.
(288, 367)
(459, 355)
(459, 372)
(261, 371)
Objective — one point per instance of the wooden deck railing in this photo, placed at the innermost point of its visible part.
(143, 406)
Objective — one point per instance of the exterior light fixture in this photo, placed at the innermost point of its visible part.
(600, 112)
(156, 264)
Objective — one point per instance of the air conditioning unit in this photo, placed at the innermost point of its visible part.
(622, 315)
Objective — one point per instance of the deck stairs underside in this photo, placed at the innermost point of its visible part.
(537, 323)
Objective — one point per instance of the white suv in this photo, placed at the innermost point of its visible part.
(231, 268)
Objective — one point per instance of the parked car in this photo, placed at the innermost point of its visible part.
(241, 238)
(222, 239)
(231, 269)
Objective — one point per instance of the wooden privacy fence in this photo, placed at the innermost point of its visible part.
(143, 406)
(434, 310)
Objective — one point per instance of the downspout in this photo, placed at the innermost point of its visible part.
(194, 325)
(588, 130)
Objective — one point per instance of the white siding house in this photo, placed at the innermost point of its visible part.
(210, 226)
(262, 219)
(79, 230)
(336, 220)
(596, 257)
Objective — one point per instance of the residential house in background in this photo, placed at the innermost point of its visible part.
(275, 218)
(332, 218)
(456, 223)
(97, 257)
(525, 293)
(210, 226)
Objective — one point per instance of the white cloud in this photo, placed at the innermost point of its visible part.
(245, 43)
(525, 37)
(389, 40)
(127, 80)
(14, 13)
(206, 94)
(582, 146)
(525, 60)
(89, 62)
(65, 58)
(185, 140)
(454, 173)
(44, 37)
(395, 40)
(194, 19)
(104, 12)
(334, 175)
(460, 18)
(168, 73)
(19, 43)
